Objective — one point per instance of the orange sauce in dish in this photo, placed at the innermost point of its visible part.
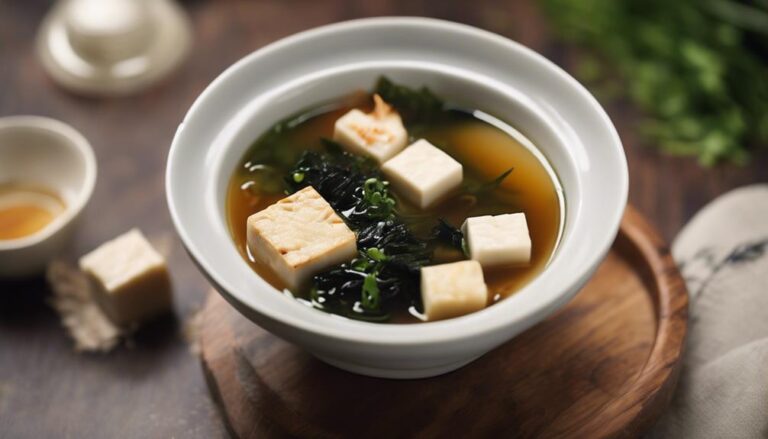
(26, 210)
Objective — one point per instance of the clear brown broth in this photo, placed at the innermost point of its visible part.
(484, 150)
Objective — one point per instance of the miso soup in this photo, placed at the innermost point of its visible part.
(502, 173)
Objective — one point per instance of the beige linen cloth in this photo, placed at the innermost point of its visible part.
(723, 255)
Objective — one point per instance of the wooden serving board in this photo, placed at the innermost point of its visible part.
(604, 366)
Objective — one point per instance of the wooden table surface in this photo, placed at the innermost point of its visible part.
(155, 388)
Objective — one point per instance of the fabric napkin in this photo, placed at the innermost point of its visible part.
(723, 256)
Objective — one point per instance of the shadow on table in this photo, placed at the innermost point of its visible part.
(26, 317)
(22, 301)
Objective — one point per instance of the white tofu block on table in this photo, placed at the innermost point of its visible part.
(379, 134)
(451, 290)
(495, 240)
(423, 173)
(129, 277)
(300, 236)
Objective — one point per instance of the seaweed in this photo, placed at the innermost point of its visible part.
(416, 106)
(387, 270)
(450, 235)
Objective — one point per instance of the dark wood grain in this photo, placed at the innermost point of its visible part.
(604, 366)
(156, 388)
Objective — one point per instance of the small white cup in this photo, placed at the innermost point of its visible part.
(44, 152)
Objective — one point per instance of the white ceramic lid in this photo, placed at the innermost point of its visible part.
(112, 47)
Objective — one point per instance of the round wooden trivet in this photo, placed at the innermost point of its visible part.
(604, 366)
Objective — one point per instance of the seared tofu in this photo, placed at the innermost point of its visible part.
(379, 134)
(300, 236)
(451, 290)
(423, 173)
(129, 277)
(498, 240)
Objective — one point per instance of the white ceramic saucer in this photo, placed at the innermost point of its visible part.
(112, 47)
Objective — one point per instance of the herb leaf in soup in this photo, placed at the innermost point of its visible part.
(480, 188)
(415, 106)
(447, 234)
(379, 204)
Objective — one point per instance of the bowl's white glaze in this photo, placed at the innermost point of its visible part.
(465, 65)
(41, 151)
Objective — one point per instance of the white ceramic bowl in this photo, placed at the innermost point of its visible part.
(466, 66)
(39, 151)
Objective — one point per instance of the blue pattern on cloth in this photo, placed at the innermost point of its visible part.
(723, 256)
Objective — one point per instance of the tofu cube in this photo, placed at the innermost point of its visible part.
(423, 173)
(129, 277)
(498, 240)
(299, 236)
(451, 290)
(379, 134)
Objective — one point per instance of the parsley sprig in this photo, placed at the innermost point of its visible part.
(696, 68)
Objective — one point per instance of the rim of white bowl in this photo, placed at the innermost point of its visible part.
(71, 138)
(491, 319)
